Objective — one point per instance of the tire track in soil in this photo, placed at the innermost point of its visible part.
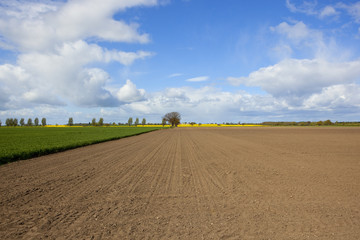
(197, 183)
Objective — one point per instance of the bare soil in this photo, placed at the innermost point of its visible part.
(191, 183)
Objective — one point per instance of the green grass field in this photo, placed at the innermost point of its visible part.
(18, 143)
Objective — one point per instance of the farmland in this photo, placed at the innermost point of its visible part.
(25, 142)
(191, 183)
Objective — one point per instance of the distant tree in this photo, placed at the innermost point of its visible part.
(143, 121)
(130, 121)
(163, 122)
(101, 122)
(7, 122)
(328, 122)
(319, 123)
(192, 123)
(36, 121)
(22, 122)
(136, 121)
(0, 123)
(173, 118)
(29, 122)
(93, 122)
(71, 121)
(43, 122)
(15, 122)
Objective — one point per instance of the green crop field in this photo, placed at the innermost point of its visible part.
(25, 142)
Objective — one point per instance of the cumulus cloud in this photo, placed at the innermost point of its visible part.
(209, 104)
(342, 96)
(129, 93)
(198, 79)
(300, 78)
(38, 25)
(53, 56)
(206, 104)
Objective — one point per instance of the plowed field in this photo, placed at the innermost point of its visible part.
(191, 183)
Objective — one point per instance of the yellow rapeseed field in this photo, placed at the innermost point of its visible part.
(180, 125)
(217, 125)
(60, 126)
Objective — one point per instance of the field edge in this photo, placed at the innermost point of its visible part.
(46, 151)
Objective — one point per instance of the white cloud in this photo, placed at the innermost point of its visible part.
(175, 75)
(32, 26)
(296, 32)
(129, 93)
(206, 104)
(343, 96)
(47, 80)
(299, 41)
(352, 9)
(53, 56)
(198, 79)
(126, 58)
(306, 7)
(294, 79)
(328, 11)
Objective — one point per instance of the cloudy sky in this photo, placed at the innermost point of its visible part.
(210, 60)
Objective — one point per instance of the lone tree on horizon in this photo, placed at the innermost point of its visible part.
(173, 118)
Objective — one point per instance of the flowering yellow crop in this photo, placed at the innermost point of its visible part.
(218, 125)
(60, 126)
(153, 125)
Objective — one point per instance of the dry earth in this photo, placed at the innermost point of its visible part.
(191, 183)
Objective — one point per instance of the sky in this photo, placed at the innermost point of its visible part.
(210, 60)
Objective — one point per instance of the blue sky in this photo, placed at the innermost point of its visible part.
(212, 61)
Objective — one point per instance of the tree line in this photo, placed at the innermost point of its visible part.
(101, 122)
(13, 122)
(130, 121)
(173, 118)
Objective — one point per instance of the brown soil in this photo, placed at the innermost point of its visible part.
(191, 183)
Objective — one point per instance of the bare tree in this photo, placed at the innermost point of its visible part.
(93, 122)
(143, 121)
(173, 118)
